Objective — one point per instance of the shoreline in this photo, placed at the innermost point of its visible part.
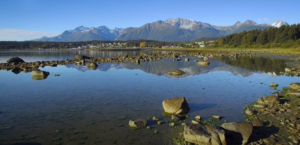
(276, 51)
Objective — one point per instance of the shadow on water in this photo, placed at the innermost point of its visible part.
(258, 133)
(198, 107)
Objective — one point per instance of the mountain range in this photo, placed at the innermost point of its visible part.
(178, 29)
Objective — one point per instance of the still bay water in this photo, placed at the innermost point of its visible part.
(84, 106)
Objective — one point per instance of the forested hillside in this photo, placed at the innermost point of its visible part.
(282, 37)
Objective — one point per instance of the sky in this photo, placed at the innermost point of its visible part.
(30, 19)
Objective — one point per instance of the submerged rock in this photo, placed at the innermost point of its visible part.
(268, 100)
(273, 84)
(217, 117)
(177, 105)
(239, 129)
(204, 134)
(176, 72)
(15, 60)
(138, 123)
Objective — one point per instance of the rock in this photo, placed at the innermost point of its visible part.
(175, 118)
(177, 105)
(176, 72)
(269, 141)
(16, 70)
(38, 72)
(198, 117)
(268, 100)
(186, 59)
(287, 69)
(159, 122)
(204, 134)
(92, 65)
(239, 129)
(182, 124)
(172, 124)
(155, 119)
(294, 139)
(295, 86)
(257, 123)
(138, 123)
(195, 122)
(273, 84)
(79, 57)
(259, 106)
(38, 77)
(205, 58)
(15, 60)
(56, 75)
(203, 63)
(195, 60)
(148, 127)
(293, 92)
(217, 117)
(249, 112)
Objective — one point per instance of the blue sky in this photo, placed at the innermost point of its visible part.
(29, 19)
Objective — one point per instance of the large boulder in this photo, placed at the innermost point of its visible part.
(138, 123)
(295, 86)
(241, 131)
(204, 134)
(268, 100)
(176, 72)
(15, 60)
(177, 105)
(79, 57)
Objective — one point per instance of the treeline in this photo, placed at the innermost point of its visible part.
(282, 37)
(8, 45)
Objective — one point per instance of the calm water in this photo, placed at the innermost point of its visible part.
(84, 106)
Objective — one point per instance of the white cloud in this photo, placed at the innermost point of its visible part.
(266, 19)
(21, 35)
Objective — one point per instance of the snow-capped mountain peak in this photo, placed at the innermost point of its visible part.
(181, 23)
(279, 23)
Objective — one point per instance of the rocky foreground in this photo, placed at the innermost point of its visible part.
(272, 120)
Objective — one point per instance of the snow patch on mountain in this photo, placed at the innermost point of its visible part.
(279, 23)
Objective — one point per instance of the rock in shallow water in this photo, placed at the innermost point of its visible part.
(177, 105)
(138, 123)
(273, 85)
